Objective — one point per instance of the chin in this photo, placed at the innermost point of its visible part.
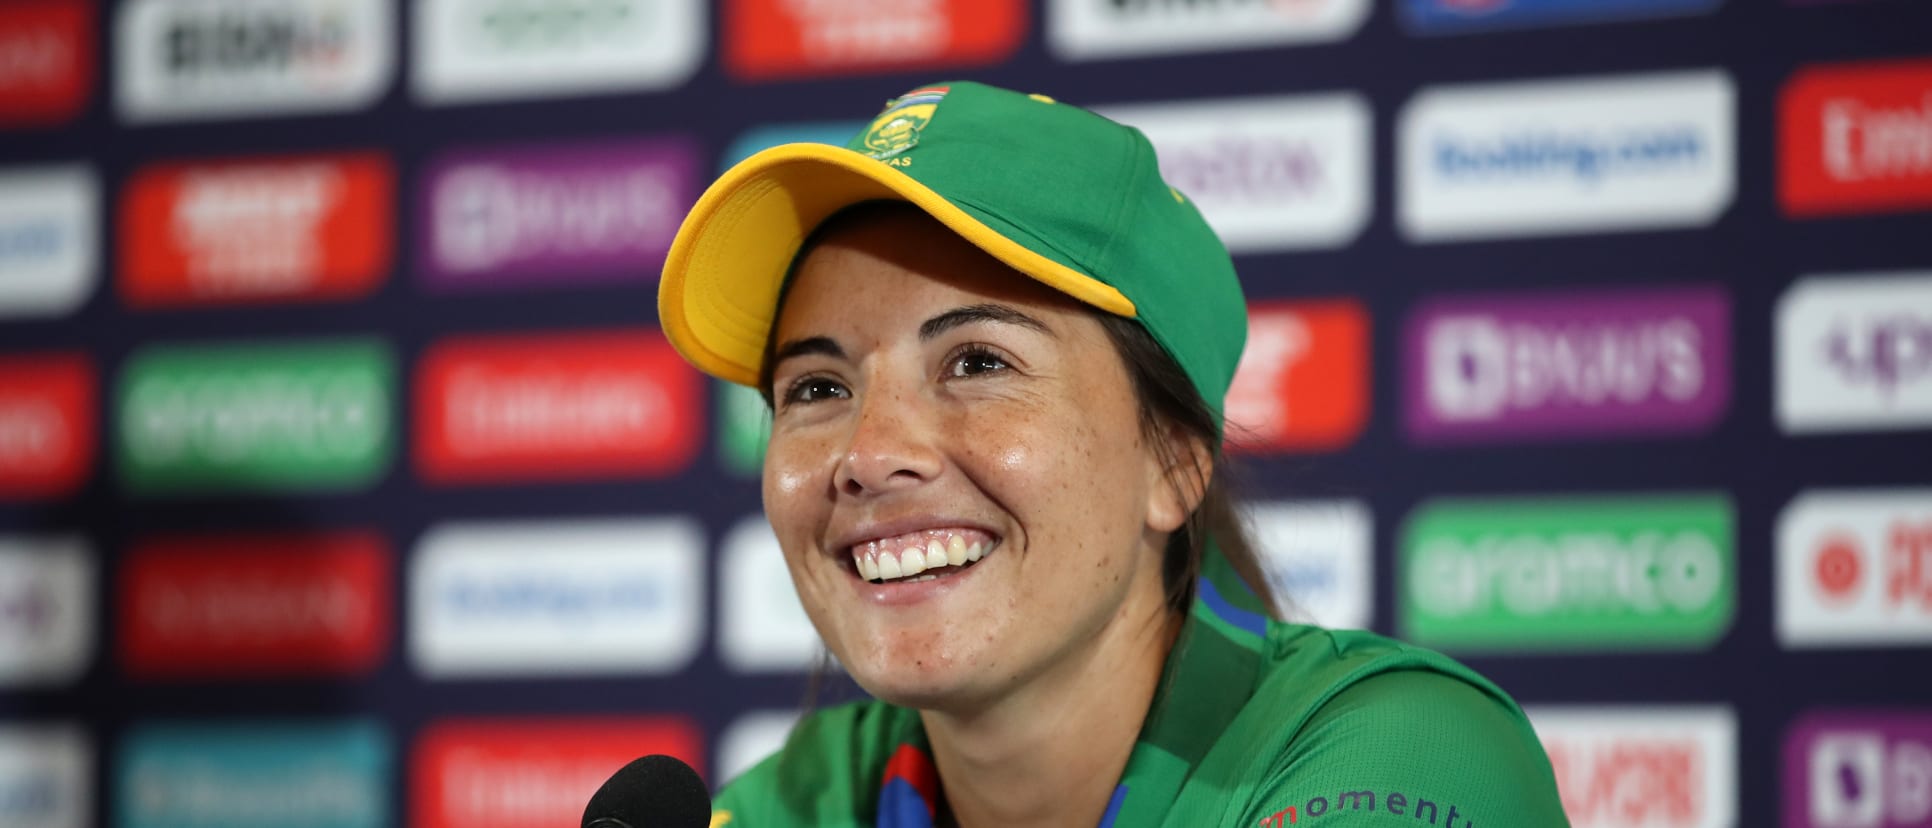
(906, 674)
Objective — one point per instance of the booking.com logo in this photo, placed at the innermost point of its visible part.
(1589, 158)
(1393, 803)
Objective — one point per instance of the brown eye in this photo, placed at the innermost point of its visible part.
(976, 361)
(814, 389)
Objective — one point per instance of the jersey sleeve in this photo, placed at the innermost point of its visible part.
(1414, 745)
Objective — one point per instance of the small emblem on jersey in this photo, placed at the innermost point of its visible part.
(897, 128)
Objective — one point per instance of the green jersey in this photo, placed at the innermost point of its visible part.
(1257, 724)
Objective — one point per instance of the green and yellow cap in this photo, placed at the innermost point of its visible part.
(1058, 193)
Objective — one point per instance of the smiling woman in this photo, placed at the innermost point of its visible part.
(996, 347)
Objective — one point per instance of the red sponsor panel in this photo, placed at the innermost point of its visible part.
(783, 39)
(555, 406)
(290, 229)
(1852, 139)
(255, 606)
(1303, 382)
(46, 61)
(47, 425)
(532, 773)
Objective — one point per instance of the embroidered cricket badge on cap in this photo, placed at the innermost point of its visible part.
(897, 128)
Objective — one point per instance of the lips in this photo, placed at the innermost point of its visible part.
(921, 555)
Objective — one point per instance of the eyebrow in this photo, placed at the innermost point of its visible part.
(826, 346)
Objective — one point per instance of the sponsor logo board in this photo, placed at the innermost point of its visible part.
(190, 59)
(46, 61)
(1855, 569)
(1319, 559)
(788, 39)
(1854, 353)
(482, 50)
(762, 627)
(602, 596)
(1102, 29)
(1268, 174)
(1446, 17)
(1582, 363)
(249, 773)
(1853, 138)
(252, 416)
(1529, 158)
(255, 606)
(49, 230)
(531, 773)
(46, 776)
(750, 738)
(764, 137)
(47, 424)
(1859, 769)
(1669, 767)
(555, 406)
(301, 228)
(46, 611)
(1628, 572)
(563, 213)
(1303, 380)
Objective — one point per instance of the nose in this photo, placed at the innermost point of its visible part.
(891, 448)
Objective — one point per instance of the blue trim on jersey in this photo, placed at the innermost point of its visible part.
(1237, 617)
(901, 806)
(1113, 807)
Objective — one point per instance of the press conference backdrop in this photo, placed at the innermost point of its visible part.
(347, 480)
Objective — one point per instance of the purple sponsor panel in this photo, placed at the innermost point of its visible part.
(549, 214)
(1859, 769)
(1585, 363)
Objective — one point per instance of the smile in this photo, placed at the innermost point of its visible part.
(921, 556)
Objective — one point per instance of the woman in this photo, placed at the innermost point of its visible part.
(996, 347)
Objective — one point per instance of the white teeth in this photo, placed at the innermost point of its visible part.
(870, 568)
(889, 567)
(935, 554)
(956, 551)
(912, 561)
(975, 552)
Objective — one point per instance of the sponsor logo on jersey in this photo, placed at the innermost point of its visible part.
(1854, 139)
(563, 213)
(1859, 769)
(764, 137)
(47, 425)
(251, 416)
(49, 229)
(1855, 353)
(1444, 17)
(274, 229)
(1569, 156)
(46, 610)
(750, 738)
(606, 596)
(1280, 173)
(531, 773)
(1303, 381)
(786, 39)
(239, 58)
(1855, 568)
(555, 406)
(46, 61)
(250, 773)
(1670, 767)
(482, 50)
(1535, 574)
(1102, 29)
(255, 606)
(1319, 559)
(762, 627)
(46, 776)
(1576, 363)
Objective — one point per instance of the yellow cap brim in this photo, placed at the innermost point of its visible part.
(728, 263)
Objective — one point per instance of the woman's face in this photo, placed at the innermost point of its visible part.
(957, 472)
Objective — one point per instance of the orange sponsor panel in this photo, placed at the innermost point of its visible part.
(1303, 382)
(47, 425)
(780, 39)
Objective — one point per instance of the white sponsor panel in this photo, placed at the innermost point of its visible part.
(1530, 158)
(1641, 766)
(188, 59)
(46, 776)
(1855, 568)
(49, 228)
(750, 738)
(762, 627)
(1318, 555)
(46, 610)
(1276, 173)
(1101, 29)
(603, 596)
(1854, 353)
(478, 50)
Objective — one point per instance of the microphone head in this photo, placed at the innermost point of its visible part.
(655, 791)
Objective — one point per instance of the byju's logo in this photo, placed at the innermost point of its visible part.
(1855, 353)
(1318, 556)
(46, 611)
(479, 50)
(782, 39)
(1303, 381)
(47, 424)
(49, 229)
(1581, 363)
(1672, 767)
(46, 61)
(1855, 568)
(1854, 138)
(1102, 29)
(1442, 17)
(246, 774)
(239, 58)
(1848, 769)
(46, 776)
(1569, 156)
(531, 773)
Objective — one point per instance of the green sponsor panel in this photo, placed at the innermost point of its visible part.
(1606, 573)
(744, 427)
(256, 416)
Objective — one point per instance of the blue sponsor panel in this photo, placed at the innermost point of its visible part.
(247, 774)
(1449, 17)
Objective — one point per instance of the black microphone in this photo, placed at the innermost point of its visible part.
(656, 791)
